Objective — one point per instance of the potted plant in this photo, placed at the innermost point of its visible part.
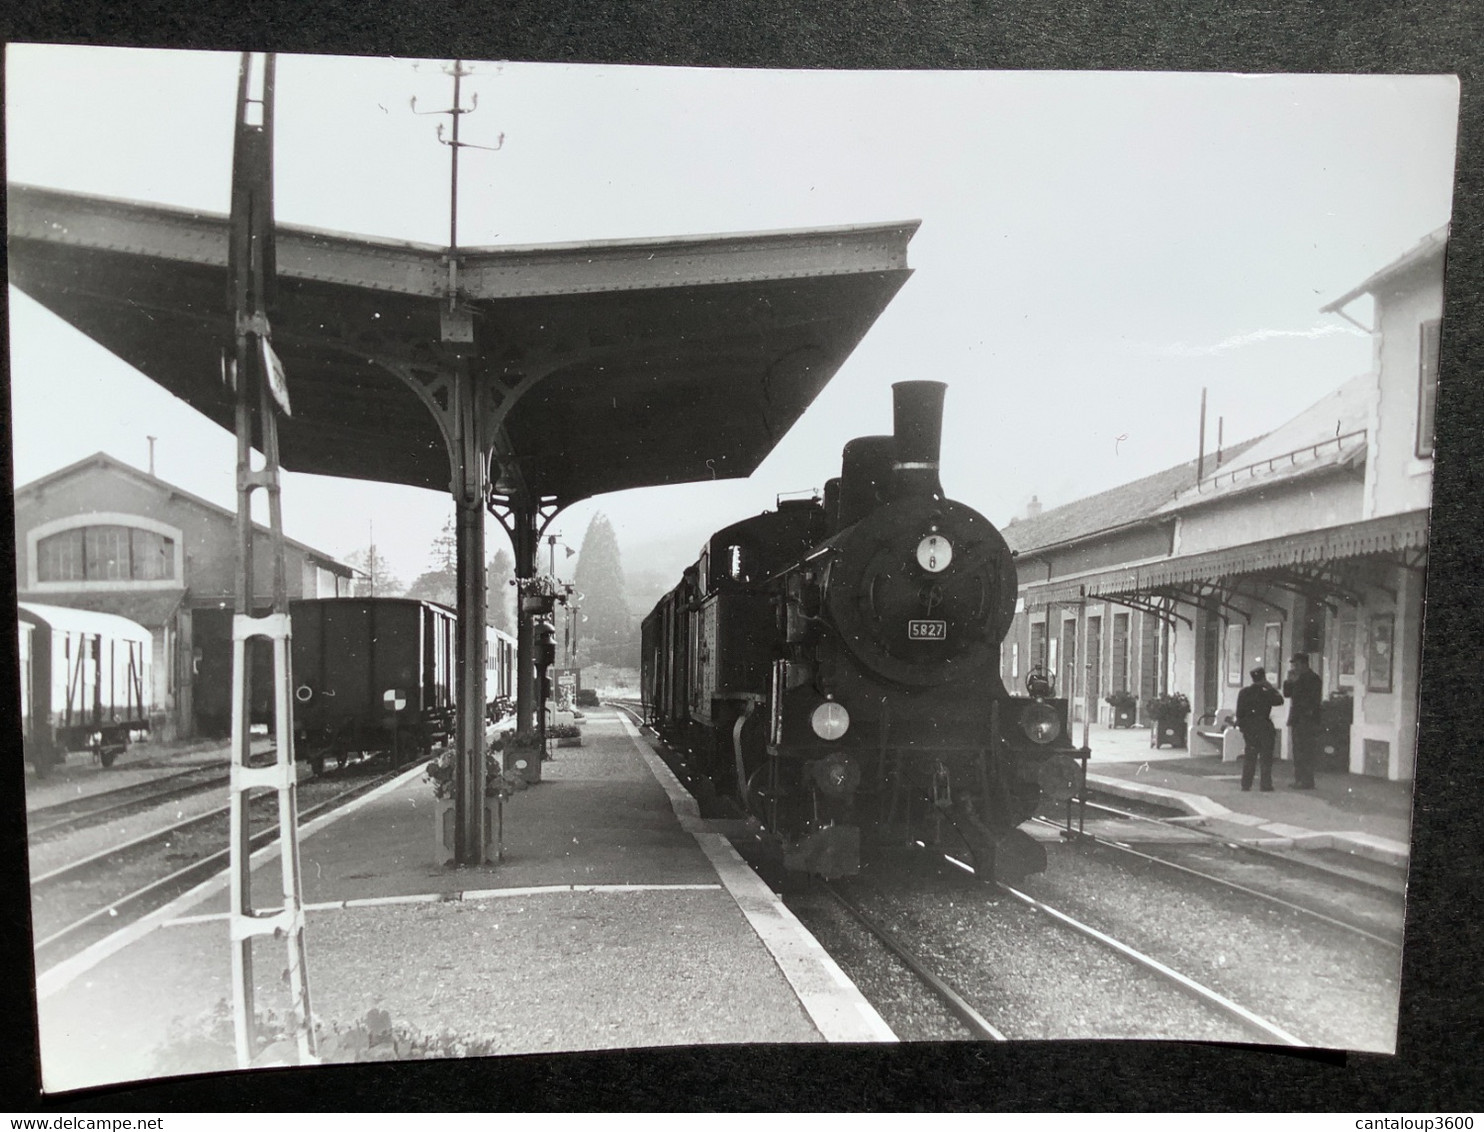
(521, 750)
(1124, 704)
(498, 787)
(565, 734)
(1167, 715)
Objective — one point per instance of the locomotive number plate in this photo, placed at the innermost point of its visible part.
(927, 630)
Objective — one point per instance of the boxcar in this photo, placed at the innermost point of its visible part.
(372, 675)
(85, 682)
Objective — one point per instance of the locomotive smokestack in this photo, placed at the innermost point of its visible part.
(918, 412)
(864, 477)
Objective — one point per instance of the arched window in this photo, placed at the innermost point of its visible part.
(105, 553)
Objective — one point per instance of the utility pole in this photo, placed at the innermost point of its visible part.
(1200, 460)
(464, 423)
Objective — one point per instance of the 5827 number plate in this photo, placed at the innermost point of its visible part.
(927, 630)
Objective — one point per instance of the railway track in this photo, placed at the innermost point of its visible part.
(76, 904)
(1385, 877)
(1267, 897)
(960, 1001)
(93, 809)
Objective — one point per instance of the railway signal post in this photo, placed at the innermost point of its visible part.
(257, 373)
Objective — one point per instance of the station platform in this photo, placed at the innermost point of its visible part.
(1358, 814)
(618, 918)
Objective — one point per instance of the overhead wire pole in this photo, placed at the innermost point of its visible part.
(257, 374)
(468, 458)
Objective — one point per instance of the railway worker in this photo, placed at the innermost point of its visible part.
(1253, 704)
(1303, 690)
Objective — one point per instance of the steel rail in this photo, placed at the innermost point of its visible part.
(955, 1002)
(1200, 990)
(206, 866)
(1234, 885)
(1241, 846)
(141, 799)
(64, 871)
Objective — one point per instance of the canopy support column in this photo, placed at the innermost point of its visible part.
(471, 835)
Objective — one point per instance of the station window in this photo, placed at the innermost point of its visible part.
(1272, 649)
(1345, 635)
(1427, 385)
(105, 554)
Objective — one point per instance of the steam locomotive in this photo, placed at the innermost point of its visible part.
(834, 665)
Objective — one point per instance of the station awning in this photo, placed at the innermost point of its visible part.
(631, 363)
(1403, 536)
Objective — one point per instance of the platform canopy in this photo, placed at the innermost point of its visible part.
(612, 365)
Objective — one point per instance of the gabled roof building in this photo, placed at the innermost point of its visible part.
(104, 536)
(1311, 539)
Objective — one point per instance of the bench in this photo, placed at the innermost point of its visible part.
(1221, 731)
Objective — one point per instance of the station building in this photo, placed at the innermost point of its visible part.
(1311, 539)
(104, 536)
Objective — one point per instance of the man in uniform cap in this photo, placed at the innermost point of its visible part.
(1253, 704)
(1303, 691)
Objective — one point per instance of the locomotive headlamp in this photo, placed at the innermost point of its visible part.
(1040, 723)
(934, 553)
(830, 720)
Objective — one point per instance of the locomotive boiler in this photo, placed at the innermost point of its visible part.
(835, 665)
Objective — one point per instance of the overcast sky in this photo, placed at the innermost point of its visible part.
(1095, 247)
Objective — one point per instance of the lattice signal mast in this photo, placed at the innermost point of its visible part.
(257, 375)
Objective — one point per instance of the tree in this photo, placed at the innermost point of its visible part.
(499, 593)
(444, 553)
(441, 581)
(436, 585)
(607, 629)
(374, 577)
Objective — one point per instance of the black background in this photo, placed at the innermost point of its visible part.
(1440, 1064)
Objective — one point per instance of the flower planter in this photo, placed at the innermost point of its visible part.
(1169, 732)
(1124, 716)
(575, 741)
(443, 830)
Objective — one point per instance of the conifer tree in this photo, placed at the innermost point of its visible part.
(607, 625)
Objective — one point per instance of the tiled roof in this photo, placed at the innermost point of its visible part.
(1330, 433)
(1108, 510)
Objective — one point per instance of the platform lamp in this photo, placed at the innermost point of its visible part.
(545, 658)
